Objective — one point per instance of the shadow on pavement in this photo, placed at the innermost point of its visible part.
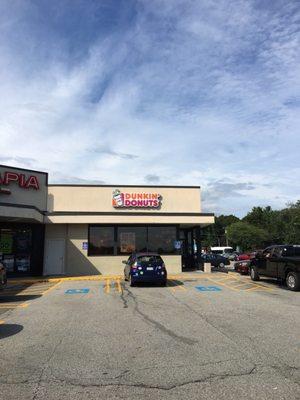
(271, 281)
(172, 282)
(7, 330)
(4, 298)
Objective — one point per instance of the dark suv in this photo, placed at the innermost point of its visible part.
(145, 267)
(281, 262)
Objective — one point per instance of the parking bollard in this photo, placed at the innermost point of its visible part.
(207, 268)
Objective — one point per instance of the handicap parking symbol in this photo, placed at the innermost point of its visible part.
(208, 288)
(76, 291)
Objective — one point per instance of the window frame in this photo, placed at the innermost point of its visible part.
(114, 235)
(115, 227)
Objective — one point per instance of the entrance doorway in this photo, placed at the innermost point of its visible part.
(55, 257)
(191, 247)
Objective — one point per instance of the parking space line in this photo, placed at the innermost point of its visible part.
(118, 285)
(13, 305)
(52, 287)
(242, 284)
(223, 284)
(107, 286)
(257, 287)
(172, 284)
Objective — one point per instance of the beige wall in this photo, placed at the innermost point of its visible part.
(78, 263)
(99, 199)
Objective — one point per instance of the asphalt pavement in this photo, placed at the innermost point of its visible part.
(201, 337)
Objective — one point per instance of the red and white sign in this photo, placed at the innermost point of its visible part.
(26, 182)
(135, 200)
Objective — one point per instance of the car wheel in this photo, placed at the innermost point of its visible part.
(131, 281)
(293, 281)
(221, 265)
(254, 274)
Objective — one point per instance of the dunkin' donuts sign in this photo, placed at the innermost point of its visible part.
(135, 200)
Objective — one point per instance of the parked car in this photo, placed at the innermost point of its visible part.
(216, 260)
(281, 262)
(243, 256)
(3, 277)
(145, 267)
(242, 267)
(230, 256)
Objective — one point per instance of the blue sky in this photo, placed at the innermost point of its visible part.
(173, 92)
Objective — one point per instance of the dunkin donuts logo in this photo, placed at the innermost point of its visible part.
(136, 200)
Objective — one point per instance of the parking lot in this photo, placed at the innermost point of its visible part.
(204, 336)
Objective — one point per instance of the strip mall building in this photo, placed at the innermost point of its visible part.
(89, 229)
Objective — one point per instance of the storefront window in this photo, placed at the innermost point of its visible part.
(132, 239)
(127, 239)
(162, 239)
(16, 248)
(101, 240)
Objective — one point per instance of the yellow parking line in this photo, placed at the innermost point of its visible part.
(228, 278)
(12, 305)
(52, 287)
(118, 285)
(242, 284)
(107, 286)
(258, 287)
(223, 284)
(176, 287)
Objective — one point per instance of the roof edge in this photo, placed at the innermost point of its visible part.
(122, 185)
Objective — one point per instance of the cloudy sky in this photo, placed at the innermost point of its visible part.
(170, 92)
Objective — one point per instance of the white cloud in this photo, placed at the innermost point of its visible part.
(188, 93)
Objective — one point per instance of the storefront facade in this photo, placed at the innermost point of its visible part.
(91, 229)
(23, 204)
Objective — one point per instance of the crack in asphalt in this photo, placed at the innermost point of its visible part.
(157, 324)
(212, 377)
(37, 388)
(281, 369)
(125, 304)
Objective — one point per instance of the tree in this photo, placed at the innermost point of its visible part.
(291, 223)
(214, 235)
(246, 236)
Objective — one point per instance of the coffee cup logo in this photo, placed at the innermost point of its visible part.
(118, 198)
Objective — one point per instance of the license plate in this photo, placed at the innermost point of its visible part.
(149, 268)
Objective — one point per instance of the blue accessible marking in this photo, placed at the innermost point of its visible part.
(76, 291)
(208, 288)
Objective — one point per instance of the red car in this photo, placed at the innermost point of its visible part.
(242, 266)
(245, 256)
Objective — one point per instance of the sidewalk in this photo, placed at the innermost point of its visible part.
(36, 279)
